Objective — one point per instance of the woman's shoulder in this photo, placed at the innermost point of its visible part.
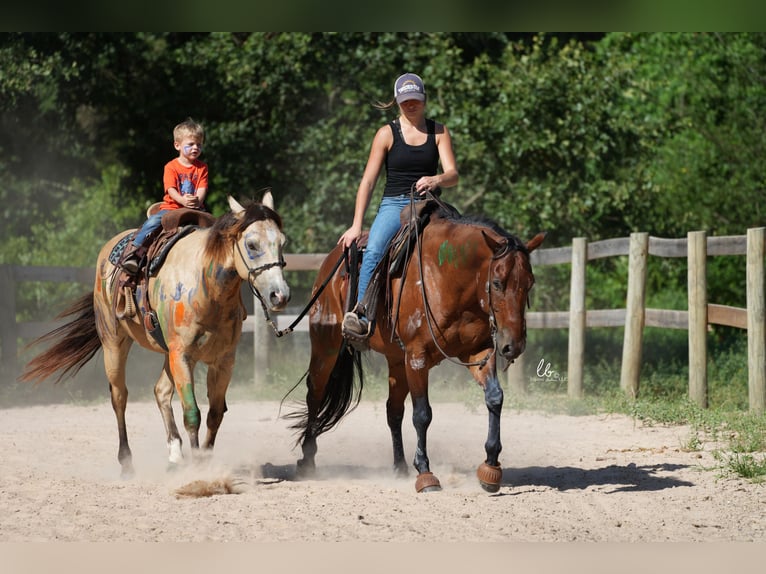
(385, 133)
(438, 128)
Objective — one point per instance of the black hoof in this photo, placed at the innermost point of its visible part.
(491, 488)
(430, 489)
(305, 469)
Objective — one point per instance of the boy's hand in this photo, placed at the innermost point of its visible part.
(191, 201)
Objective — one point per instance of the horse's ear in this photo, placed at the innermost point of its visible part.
(234, 205)
(493, 243)
(268, 200)
(535, 242)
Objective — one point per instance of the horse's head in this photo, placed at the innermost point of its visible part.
(259, 243)
(508, 285)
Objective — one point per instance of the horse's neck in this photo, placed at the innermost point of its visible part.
(189, 253)
(455, 244)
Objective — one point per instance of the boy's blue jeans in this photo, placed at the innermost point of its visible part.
(383, 229)
(152, 223)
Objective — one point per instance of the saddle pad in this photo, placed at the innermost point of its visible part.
(158, 258)
(117, 250)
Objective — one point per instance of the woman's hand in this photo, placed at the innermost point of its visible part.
(427, 183)
(351, 234)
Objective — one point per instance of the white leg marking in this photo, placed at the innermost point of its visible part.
(174, 448)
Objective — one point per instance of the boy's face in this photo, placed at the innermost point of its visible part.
(189, 147)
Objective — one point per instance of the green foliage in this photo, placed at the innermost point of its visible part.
(587, 135)
(579, 135)
(69, 235)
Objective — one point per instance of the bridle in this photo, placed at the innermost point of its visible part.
(252, 274)
(505, 250)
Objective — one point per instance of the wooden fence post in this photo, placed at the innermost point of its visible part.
(261, 341)
(517, 382)
(8, 330)
(756, 324)
(697, 302)
(577, 318)
(634, 313)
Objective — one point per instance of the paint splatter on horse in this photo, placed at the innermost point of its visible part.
(196, 297)
(462, 296)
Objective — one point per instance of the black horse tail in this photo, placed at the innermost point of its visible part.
(343, 392)
(74, 344)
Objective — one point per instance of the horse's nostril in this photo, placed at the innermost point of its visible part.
(278, 299)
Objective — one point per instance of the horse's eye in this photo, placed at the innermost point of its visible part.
(252, 246)
(497, 285)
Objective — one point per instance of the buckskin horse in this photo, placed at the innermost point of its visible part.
(195, 302)
(461, 295)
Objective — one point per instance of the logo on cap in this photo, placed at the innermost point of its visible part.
(409, 87)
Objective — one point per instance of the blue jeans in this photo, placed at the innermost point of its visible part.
(383, 229)
(152, 223)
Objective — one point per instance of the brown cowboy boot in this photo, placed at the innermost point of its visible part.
(132, 259)
(355, 324)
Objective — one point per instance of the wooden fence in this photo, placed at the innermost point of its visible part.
(696, 248)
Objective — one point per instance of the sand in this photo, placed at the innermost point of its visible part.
(588, 478)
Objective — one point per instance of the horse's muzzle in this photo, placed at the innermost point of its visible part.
(511, 350)
(279, 298)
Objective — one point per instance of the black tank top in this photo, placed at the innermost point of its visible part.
(405, 163)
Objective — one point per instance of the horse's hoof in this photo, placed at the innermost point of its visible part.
(305, 469)
(427, 482)
(401, 470)
(489, 477)
(127, 472)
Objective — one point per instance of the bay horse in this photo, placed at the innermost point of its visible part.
(461, 296)
(196, 297)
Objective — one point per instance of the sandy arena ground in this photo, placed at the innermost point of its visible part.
(593, 478)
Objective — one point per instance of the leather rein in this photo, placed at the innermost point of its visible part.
(254, 272)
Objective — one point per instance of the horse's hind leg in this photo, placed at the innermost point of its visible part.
(397, 393)
(321, 367)
(306, 466)
(417, 380)
(163, 393)
(115, 357)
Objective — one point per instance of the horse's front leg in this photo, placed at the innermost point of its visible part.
(489, 472)
(182, 373)
(417, 380)
(163, 394)
(218, 378)
(397, 393)
(115, 357)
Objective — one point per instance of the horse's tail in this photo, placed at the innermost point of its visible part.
(342, 395)
(74, 344)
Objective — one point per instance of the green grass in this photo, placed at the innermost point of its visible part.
(752, 467)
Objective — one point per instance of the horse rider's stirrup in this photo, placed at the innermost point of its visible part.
(355, 327)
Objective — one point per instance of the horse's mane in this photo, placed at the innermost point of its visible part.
(482, 221)
(230, 225)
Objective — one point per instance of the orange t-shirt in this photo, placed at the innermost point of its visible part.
(187, 180)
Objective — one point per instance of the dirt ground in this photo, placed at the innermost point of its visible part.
(592, 478)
